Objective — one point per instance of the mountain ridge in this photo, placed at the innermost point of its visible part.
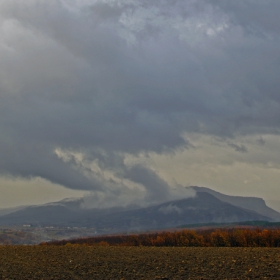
(251, 203)
(202, 208)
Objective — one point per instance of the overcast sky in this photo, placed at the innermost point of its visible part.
(129, 101)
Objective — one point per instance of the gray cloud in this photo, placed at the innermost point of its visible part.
(238, 148)
(257, 17)
(261, 141)
(170, 209)
(110, 78)
(157, 188)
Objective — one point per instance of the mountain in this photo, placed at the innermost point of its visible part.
(255, 204)
(5, 211)
(203, 208)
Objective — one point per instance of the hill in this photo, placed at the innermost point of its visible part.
(203, 208)
(255, 204)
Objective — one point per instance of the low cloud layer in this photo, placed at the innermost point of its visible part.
(86, 84)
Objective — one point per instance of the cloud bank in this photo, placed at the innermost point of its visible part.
(86, 84)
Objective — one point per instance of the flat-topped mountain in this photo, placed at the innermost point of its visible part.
(203, 208)
(255, 204)
(207, 206)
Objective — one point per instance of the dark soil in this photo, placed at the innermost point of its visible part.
(83, 262)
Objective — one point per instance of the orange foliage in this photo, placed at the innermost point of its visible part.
(187, 238)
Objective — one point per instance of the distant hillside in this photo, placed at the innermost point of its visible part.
(203, 208)
(246, 224)
(250, 203)
(5, 211)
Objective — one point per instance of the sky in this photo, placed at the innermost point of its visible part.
(131, 101)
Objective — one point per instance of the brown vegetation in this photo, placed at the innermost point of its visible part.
(17, 237)
(188, 238)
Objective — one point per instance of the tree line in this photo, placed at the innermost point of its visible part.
(185, 238)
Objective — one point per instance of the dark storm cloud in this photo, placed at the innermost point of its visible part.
(127, 77)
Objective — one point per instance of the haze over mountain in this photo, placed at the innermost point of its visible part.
(255, 204)
(206, 206)
(131, 100)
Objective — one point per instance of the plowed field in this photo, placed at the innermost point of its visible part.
(82, 262)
